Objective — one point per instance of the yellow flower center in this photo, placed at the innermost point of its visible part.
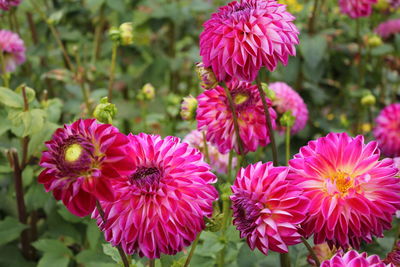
(240, 99)
(73, 152)
(343, 181)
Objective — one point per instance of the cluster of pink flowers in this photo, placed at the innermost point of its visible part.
(7, 4)
(357, 8)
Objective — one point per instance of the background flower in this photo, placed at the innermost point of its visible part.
(13, 50)
(357, 8)
(7, 4)
(353, 194)
(160, 207)
(244, 36)
(353, 258)
(215, 118)
(267, 209)
(388, 28)
(387, 130)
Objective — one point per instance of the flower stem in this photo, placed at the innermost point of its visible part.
(268, 120)
(25, 140)
(97, 35)
(120, 250)
(4, 74)
(206, 154)
(152, 262)
(285, 259)
(287, 143)
(112, 70)
(226, 213)
(311, 22)
(235, 124)
(192, 249)
(230, 165)
(312, 252)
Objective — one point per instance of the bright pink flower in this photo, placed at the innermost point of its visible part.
(353, 194)
(218, 161)
(397, 162)
(160, 207)
(80, 161)
(244, 36)
(357, 8)
(288, 99)
(388, 28)
(353, 259)
(13, 49)
(387, 130)
(267, 209)
(215, 118)
(7, 4)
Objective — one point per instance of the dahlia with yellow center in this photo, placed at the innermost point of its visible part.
(353, 194)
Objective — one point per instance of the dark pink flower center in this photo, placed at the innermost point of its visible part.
(145, 177)
(246, 212)
(242, 99)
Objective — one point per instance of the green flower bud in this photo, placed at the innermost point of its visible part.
(214, 224)
(188, 108)
(115, 34)
(268, 92)
(374, 41)
(126, 33)
(368, 100)
(148, 91)
(287, 119)
(105, 112)
(206, 76)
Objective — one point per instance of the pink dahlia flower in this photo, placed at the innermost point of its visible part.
(388, 28)
(353, 194)
(357, 8)
(244, 36)
(13, 49)
(387, 130)
(160, 207)
(354, 259)
(218, 161)
(7, 4)
(215, 117)
(287, 99)
(267, 209)
(395, 4)
(80, 160)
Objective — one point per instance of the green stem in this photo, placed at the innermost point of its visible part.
(312, 252)
(192, 249)
(230, 165)
(97, 35)
(287, 143)
(225, 211)
(112, 70)
(152, 262)
(269, 128)
(285, 259)
(360, 65)
(206, 154)
(311, 22)
(4, 74)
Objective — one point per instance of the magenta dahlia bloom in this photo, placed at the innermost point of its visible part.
(13, 49)
(80, 161)
(7, 4)
(395, 4)
(287, 99)
(388, 28)
(218, 161)
(387, 130)
(160, 207)
(353, 194)
(267, 209)
(354, 259)
(215, 117)
(244, 36)
(357, 8)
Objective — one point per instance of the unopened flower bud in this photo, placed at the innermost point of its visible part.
(374, 41)
(206, 76)
(214, 224)
(148, 91)
(105, 111)
(126, 33)
(323, 252)
(115, 34)
(268, 92)
(287, 119)
(368, 100)
(188, 108)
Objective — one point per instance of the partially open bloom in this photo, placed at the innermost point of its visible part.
(188, 108)
(214, 116)
(206, 76)
(387, 130)
(218, 161)
(323, 252)
(288, 99)
(354, 259)
(357, 8)
(267, 209)
(244, 36)
(388, 28)
(7, 4)
(13, 50)
(160, 207)
(80, 161)
(353, 194)
(393, 257)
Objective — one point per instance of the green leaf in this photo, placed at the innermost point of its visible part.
(93, 234)
(10, 98)
(52, 246)
(68, 216)
(313, 49)
(30, 93)
(94, 5)
(10, 229)
(117, 5)
(51, 260)
(92, 258)
(36, 144)
(112, 252)
(26, 122)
